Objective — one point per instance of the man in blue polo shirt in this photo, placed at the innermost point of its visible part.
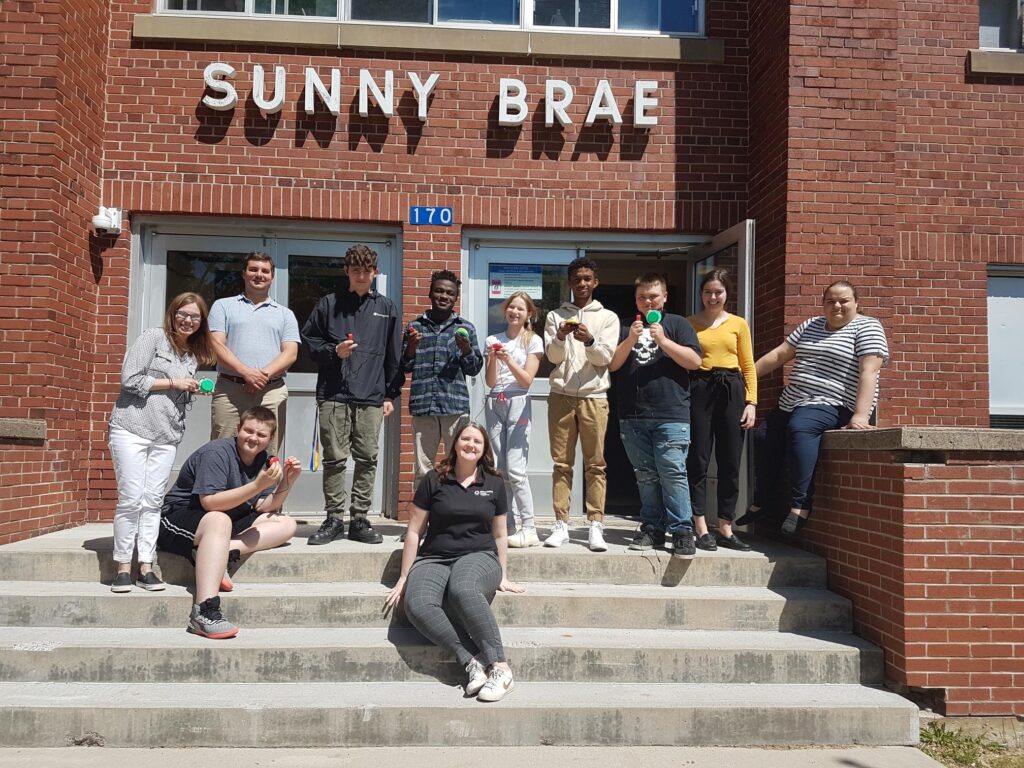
(257, 341)
(441, 351)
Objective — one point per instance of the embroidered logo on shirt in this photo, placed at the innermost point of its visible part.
(483, 493)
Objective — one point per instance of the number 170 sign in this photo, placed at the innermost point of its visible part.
(431, 216)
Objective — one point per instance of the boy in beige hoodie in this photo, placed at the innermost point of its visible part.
(579, 338)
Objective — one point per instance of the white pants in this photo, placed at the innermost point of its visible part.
(508, 426)
(141, 468)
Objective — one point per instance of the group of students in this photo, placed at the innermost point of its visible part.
(684, 386)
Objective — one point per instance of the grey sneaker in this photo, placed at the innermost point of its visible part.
(207, 621)
(150, 582)
(121, 583)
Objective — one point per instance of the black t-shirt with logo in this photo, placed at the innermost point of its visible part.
(460, 519)
(651, 385)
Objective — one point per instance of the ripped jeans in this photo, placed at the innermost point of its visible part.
(657, 450)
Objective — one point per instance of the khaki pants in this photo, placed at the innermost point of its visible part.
(587, 419)
(428, 432)
(230, 400)
(346, 429)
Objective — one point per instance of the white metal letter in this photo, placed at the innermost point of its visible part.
(642, 102)
(423, 92)
(315, 85)
(506, 100)
(215, 75)
(555, 108)
(603, 106)
(268, 106)
(386, 100)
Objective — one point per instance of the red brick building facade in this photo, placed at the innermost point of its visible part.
(869, 143)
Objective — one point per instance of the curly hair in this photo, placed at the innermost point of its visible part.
(445, 274)
(582, 262)
(361, 256)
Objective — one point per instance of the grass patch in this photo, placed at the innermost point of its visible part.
(954, 748)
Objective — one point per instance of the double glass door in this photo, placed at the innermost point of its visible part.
(497, 268)
(306, 270)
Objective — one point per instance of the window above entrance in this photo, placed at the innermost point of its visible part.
(658, 17)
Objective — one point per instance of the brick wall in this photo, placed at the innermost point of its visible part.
(929, 547)
(52, 61)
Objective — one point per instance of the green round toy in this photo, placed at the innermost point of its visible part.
(654, 316)
(206, 386)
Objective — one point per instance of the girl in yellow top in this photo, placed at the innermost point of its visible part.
(723, 395)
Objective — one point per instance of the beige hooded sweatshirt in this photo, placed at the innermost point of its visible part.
(581, 371)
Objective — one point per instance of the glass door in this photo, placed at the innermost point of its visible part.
(732, 249)
(495, 272)
(306, 269)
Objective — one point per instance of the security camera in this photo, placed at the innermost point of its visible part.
(107, 222)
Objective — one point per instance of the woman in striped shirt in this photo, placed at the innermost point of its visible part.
(833, 385)
(158, 380)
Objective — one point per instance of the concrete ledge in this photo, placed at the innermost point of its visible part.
(23, 429)
(927, 439)
(499, 42)
(995, 62)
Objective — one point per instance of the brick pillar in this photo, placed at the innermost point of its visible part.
(923, 529)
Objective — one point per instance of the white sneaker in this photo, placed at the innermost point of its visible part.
(524, 537)
(498, 684)
(477, 677)
(597, 537)
(559, 535)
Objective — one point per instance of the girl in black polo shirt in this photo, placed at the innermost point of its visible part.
(462, 561)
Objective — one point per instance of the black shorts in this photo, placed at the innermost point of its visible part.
(178, 526)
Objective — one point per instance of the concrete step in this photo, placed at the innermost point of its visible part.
(398, 654)
(83, 554)
(360, 604)
(408, 714)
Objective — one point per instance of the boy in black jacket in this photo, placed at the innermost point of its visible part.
(355, 337)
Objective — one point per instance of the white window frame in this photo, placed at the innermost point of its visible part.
(526, 12)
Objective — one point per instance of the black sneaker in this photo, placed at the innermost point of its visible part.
(706, 542)
(683, 546)
(122, 582)
(150, 582)
(646, 539)
(329, 530)
(360, 530)
(733, 542)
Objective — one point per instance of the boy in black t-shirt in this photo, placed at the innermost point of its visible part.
(227, 499)
(650, 373)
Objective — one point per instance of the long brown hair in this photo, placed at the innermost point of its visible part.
(531, 314)
(198, 343)
(447, 465)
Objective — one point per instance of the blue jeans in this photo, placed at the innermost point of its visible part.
(793, 438)
(657, 450)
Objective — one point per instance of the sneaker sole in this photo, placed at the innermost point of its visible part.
(640, 547)
(213, 635)
(508, 690)
(681, 556)
(151, 587)
(599, 548)
(551, 544)
(121, 590)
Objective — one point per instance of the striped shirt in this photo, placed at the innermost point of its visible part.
(827, 367)
(157, 416)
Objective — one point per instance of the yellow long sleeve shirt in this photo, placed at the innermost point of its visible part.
(728, 346)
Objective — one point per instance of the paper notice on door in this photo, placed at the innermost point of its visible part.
(506, 279)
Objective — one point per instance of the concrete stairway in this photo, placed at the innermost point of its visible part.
(620, 648)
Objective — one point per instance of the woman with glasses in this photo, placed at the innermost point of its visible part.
(158, 381)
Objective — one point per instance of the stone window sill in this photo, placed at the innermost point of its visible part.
(337, 36)
(33, 430)
(990, 62)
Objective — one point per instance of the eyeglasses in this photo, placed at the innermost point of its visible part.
(183, 316)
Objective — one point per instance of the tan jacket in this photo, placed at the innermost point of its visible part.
(581, 371)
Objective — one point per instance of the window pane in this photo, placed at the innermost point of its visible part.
(392, 10)
(309, 279)
(572, 13)
(658, 15)
(998, 24)
(321, 8)
(233, 6)
(479, 11)
(212, 275)
(553, 290)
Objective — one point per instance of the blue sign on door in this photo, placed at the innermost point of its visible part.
(431, 216)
